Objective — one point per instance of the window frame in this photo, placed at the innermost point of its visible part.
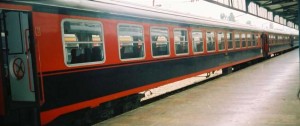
(254, 39)
(232, 40)
(273, 39)
(197, 30)
(279, 38)
(187, 40)
(169, 49)
(224, 37)
(215, 41)
(119, 45)
(239, 34)
(270, 39)
(248, 39)
(276, 39)
(64, 47)
(241, 37)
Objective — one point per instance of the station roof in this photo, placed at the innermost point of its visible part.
(287, 9)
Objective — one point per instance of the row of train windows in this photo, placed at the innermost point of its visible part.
(83, 41)
(278, 39)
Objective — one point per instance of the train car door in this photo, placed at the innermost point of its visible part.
(265, 44)
(18, 66)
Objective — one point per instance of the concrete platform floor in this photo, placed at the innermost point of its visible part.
(264, 94)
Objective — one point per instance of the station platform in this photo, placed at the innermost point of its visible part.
(264, 94)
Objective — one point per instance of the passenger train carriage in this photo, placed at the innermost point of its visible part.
(67, 62)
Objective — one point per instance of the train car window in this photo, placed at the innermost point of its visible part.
(273, 39)
(278, 39)
(160, 41)
(83, 41)
(131, 41)
(249, 40)
(237, 40)
(243, 36)
(197, 41)
(256, 37)
(221, 41)
(210, 41)
(181, 41)
(296, 38)
(270, 39)
(253, 38)
(285, 39)
(230, 40)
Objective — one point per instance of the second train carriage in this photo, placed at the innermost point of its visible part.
(61, 58)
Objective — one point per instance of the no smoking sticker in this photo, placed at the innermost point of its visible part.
(18, 68)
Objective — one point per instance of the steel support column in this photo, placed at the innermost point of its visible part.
(247, 5)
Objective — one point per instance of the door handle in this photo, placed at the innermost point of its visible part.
(27, 59)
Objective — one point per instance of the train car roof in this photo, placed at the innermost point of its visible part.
(130, 10)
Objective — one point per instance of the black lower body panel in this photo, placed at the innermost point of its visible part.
(66, 89)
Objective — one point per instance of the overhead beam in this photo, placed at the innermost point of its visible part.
(277, 2)
(289, 16)
(291, 7)
(284, 7)
(268, 2)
